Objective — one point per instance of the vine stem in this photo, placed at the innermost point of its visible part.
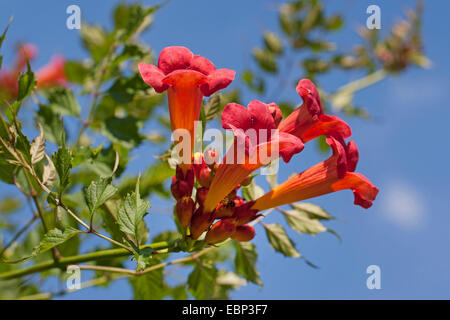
(64, 261)
(90, 283)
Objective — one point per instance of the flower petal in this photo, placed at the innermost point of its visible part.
(261, 116)
(363, 190)
(202, 65)
(327, 126)
(218, 79)
(153, 76)
(235, 115)
(174, 58)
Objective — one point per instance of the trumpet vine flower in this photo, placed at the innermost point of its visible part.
(334, 174)
(308, 121)
(187, 78)
(257, 142)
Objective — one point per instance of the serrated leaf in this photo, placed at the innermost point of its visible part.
(62, 160)
(37, 149)
(245, 261)
(302, 223)
(212, 107)
(51, 124)
(280, 241)
(62, 101)
(131, 213)
(55, 237)
(201, 281)
(98, 192)
(123, 130)
(149, 286)
(312, 210)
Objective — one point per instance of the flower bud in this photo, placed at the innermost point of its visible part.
(184, 209)
(200, 222)
(188, 177)
(243, 233)
(201, 195)
(204, 177)
(221, 230)
(180, 188)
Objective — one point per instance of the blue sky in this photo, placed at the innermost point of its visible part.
(404, 150)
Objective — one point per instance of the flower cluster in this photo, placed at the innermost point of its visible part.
(216, 208)
(50, 75)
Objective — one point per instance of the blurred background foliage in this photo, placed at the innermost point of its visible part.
(109, 129)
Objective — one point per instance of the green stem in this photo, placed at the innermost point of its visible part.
(64, 261)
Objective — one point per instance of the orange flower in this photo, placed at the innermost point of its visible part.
(257, 143)
(308, 121)
(334, 174)
(187, 79)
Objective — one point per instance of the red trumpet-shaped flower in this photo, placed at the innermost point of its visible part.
(187, 79)
(257, 142)
(308, 121)
(334, 174)
(51, 75)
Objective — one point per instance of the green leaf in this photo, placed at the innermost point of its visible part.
(245, 261)
(201, 281)
(123, 130)
(266, 60)
(62, 159)
(149, 286)
(62, 101)
(252, 191)
(273, 43)
(311, 210)
(6, 171)
(212, 107)
(132, 212)
(179, 292)
(76, 72)
(54, 238)
(123, 90)
(26, 84)
(110, 222)
(8, 205)
(2, 37)
(98, 192)
(302, 223)
(280, 241)
(131, 19)
(51, 124)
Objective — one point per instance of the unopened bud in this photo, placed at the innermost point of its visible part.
(180, 188)
(200, 222)
(244, 233)
(204, 177)
(184, 209)
(221, 230)
(201, 195)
